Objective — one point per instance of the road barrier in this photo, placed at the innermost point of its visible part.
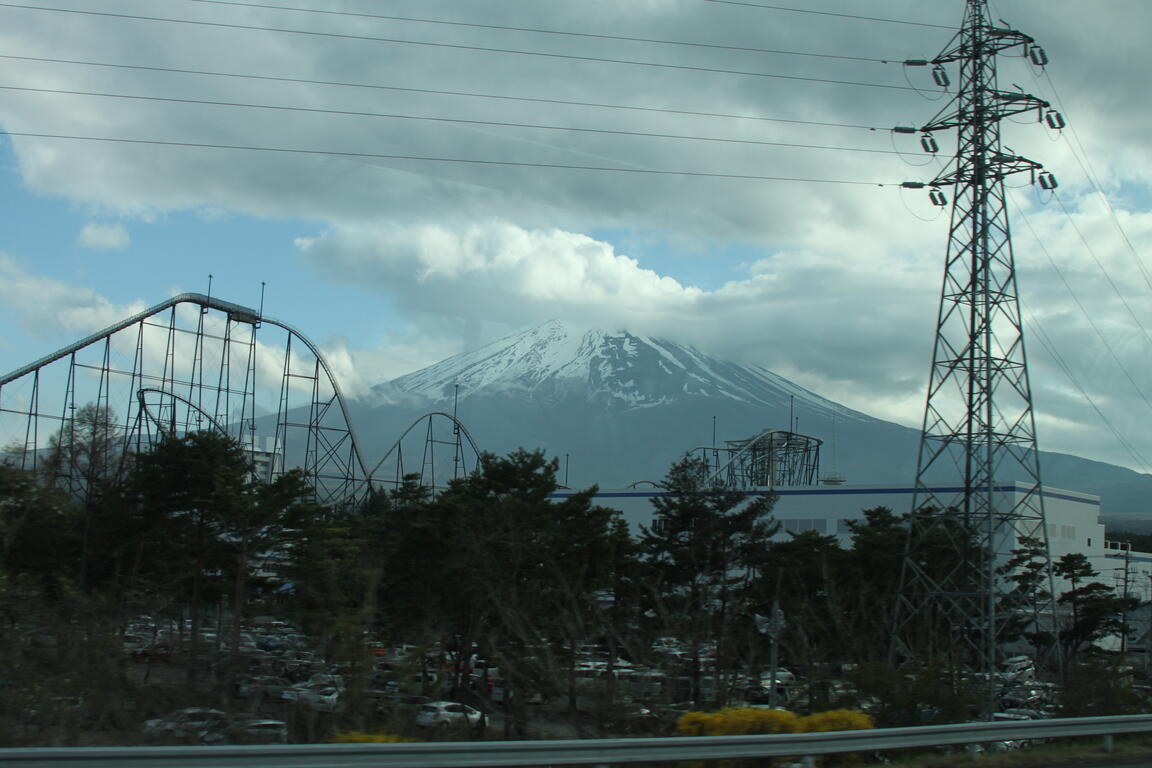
(486, 754)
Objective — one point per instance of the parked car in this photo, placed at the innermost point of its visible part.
(419, 682)
(257, 731)
(319, 697)
(499, 693)
(190, 725)
(334, 680)
(299, 665)
(451, 714)
(263, 687)
(1026, 713)
(132, 643)
(399, 706)
(154, 652)
(292, 693)
(1018, 669)
(633, 719)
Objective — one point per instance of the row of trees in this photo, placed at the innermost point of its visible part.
(492, 563)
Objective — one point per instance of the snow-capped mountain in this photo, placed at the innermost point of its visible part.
(619, 407)
(555, 362)
(616, 408)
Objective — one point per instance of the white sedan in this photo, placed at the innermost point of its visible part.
(448, 714)
(322, 698)
(319, 697)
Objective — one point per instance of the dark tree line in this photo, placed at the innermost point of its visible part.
(493, 567)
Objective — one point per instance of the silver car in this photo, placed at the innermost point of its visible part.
(446, 715)
(258, 731)
(193, 724)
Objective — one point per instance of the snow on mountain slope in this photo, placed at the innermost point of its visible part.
(620, 408)
(619, 370)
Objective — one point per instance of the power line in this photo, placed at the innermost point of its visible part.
(831, 13)
(458, 46)
(463, 121)
(440, 159)
(1046, 342)
(1079, 305)
(1082, 159)
(1107, 277)
(1081, 156)
(469, 94)
(538, 30)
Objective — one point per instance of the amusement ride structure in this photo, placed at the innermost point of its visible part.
(195, 362)
(775, 458)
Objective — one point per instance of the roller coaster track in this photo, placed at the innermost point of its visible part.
(393, 458)
(59, 412)
(772, 459)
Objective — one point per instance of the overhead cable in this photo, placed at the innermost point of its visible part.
(470, 94)
(832, 13)
(538, 30)
(1087, 317)
(1103, 271)
(1046, 342)
(458, 46)
(1081, 155)
(463, 121)
(440, 159)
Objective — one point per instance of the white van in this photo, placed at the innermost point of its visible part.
(1018, 668)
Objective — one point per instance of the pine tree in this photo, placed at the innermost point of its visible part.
(703, 547)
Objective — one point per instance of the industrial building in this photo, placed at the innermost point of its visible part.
(1073, 521)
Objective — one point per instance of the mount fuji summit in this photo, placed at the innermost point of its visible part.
(554, 363)
(617, 408)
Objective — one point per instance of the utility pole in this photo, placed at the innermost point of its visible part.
(978, 493)
(458, 455)
(1127, 547)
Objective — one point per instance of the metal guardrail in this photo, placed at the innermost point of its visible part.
(486, 754)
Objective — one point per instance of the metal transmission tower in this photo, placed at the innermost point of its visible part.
(978, 495)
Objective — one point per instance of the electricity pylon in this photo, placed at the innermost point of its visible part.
(978, 496)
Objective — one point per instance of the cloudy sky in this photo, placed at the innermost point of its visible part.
(412, 178)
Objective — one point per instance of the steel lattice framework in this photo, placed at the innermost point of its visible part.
(426, 459)
(775, 458)
(190, 363)
(978, 423)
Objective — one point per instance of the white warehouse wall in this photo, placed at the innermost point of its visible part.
(1073, 520)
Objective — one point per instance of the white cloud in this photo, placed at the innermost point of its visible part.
(52, 308)
(104, 237)
(857, 328)
(842, 281)
(838, 322)
(495, 271)
(397, 353)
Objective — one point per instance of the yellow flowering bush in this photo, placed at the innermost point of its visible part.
(732, 721)
(695, 723)
(747, 720)
(836, 720)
